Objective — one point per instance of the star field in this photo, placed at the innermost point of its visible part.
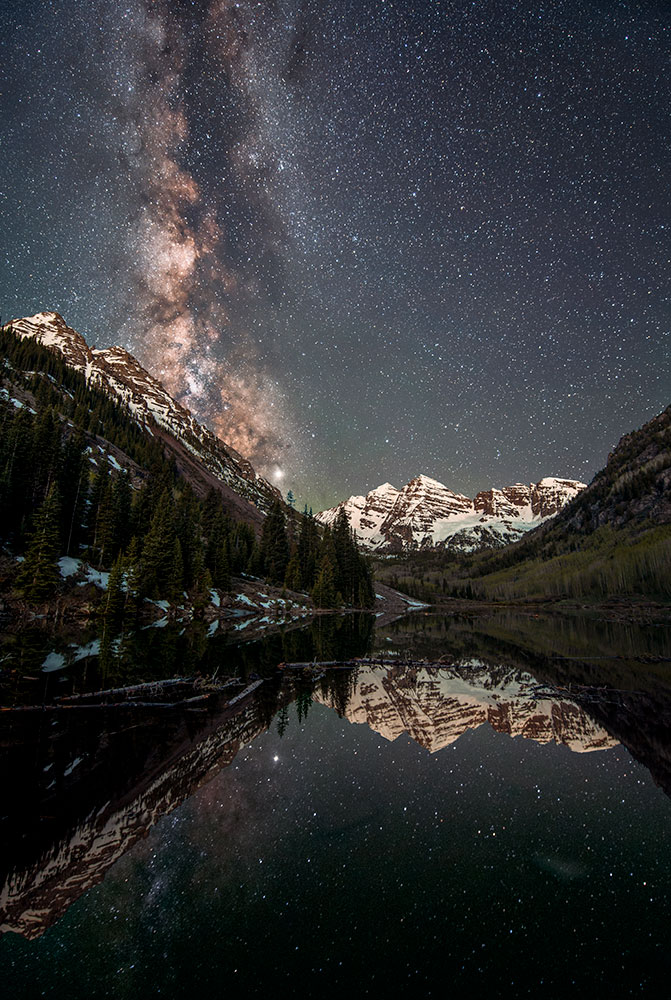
(360, 241)
(336, 860)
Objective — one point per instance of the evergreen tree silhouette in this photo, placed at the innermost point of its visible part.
(39, 574)
(274, 544)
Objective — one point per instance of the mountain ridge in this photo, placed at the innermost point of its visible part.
(426, 514)
(118, 373)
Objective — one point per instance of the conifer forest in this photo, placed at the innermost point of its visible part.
(62, 493)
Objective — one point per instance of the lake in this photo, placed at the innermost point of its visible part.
(495, 819)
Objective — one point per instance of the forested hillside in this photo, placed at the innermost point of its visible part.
(80, 476)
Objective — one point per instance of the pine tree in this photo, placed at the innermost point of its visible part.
(204, 585)
(46, 453)
(105, 528)
(188, 527)
(366, 584)
(255, 562)
(292, 577)
(216, 554)
(308, 544)
(324, 592)
(112, 604)
(133, 577)
(39, 575)
(282, 720)
(73, 484)
(303, 704)
(346, 558)
(158, 551)
(121, 501)
(97, 499)
(175, 584)
(353, 576)
(242, 541)
(16, 475)
(274, 544)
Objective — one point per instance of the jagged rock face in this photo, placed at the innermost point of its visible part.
(436, 706)
(502, 503)
(367, 513)
(426, 514)
(121, 375)
(417, 507)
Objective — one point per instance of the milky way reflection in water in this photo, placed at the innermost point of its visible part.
(417, 838)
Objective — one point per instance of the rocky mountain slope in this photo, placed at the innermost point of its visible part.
(634, 486)
(425, 514)
(121, 376)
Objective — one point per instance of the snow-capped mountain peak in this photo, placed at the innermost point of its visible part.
(426, 514)
(384, 490)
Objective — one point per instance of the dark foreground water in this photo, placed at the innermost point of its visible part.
(498, 824)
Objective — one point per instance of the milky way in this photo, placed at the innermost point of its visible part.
(182, 279)
(360, 240)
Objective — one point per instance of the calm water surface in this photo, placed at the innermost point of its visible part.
(498, 822)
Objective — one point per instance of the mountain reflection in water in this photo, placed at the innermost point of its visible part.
(84, 788)
(436, 705)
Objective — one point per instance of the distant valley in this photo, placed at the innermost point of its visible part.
(128, 440)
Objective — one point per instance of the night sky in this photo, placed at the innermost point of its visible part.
(362, 240)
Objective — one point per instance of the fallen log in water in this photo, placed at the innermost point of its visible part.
(370, 661)
(333, 664)
(102, 700)
(147, 687)
(105, 706)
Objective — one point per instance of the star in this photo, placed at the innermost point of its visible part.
(327, 232)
